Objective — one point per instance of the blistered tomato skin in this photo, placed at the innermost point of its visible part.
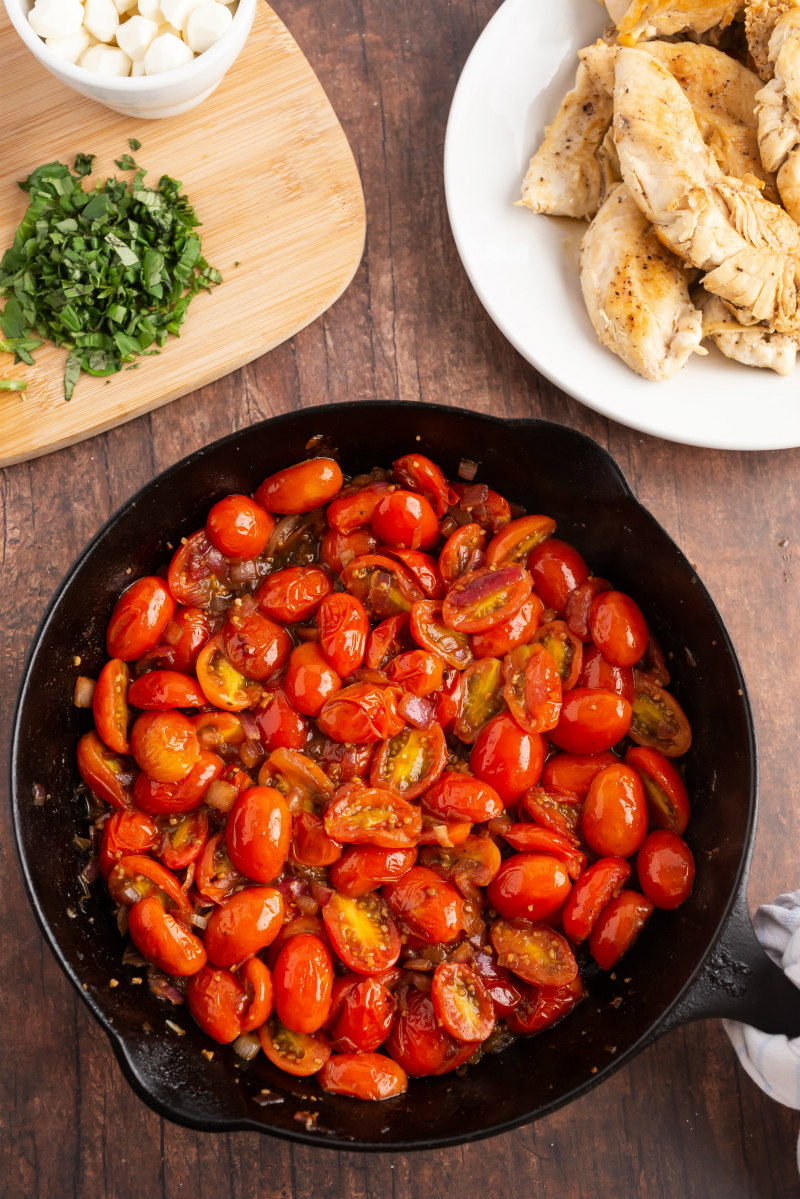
(665, 868)
(431, 907)
(245, 923)
(507, 758)
(614, 822)
(406, 520)
(531, 886)
(139, 618)
(164, 745)
(591, 721)
(238, 527)
(163, 941)
(300, 488)
(303, 980)
(258, 833)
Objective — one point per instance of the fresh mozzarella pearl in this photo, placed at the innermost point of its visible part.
(165, 53)
(151, 9)
(101, 19)
(177, 12)
(137, 70)
(106, 60)
(135, 35)
(123, 6)
(206, 25)
(56, 18)
(69, 48)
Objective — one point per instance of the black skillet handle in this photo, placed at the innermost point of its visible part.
(739, 982)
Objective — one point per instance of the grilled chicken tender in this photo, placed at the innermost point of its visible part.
(638, 19)
(778, 110)
(722, 225)
(752, 345)
(721, 91)
(564, 177)
(760, 18)
(636, 291)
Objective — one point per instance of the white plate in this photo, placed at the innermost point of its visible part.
(524, 266)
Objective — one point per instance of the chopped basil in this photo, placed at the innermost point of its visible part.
(106, 273)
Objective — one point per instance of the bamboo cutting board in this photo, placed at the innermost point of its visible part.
(269, 172)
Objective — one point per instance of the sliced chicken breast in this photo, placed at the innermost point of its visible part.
(640, 19)
(752, 345)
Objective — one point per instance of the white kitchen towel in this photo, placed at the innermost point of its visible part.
(772, 1060)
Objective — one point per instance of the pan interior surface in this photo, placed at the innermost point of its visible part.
(543, 467)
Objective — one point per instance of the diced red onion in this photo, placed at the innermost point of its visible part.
(247, 1046)
(321, 893)
(198, 920)
(308, 905)
(84, 691)
(242, 570)
(251, 754)
(467, 469)
(417, 710)
(251, 729)
(283, 529)
(221, 795)
(39, 795)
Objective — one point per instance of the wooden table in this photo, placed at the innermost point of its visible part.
(682, 1119)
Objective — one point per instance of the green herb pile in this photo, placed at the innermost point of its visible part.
(108, 273)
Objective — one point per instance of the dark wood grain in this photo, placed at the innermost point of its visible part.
(681, 1119)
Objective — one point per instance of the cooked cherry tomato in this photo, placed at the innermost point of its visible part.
(343, 627)
(410, 762)
(657, 720)
(418, 473)
(162, 689)
(458, 796)
(579, 606)
(531, 886)
(542, 1007)
(311, 845)
(343, 762)
(557, 569)
(216, 877)
(599, 674)
(110, 705)
(293, 1052)
(489, 509)
(258, 833)
(506, 992)
(530, 838)
(484, 597)
(244, 923)
(462, 552)
(591, 721)
(136, 877)
(221, 683)
(532, 688)
(301, 487)
(667, 797)
(361, 712)
(362, 868)
(429, 630)
(554, 809)
(428, 904)
(481, 698)
(417, 1041)
(338, 549)
(139, 618)
(405, 519)
(389, 638)
(517, 539)
(291, 771)
(303, 979)
(363, 1076)
(294, 593)
(198, 573)
(310, 680)
(614, 821)
(182, 838)
(417, 671)
(565, 650)
(461, 1001)
(574, 772)
(354, 509)
(125, 833)
(163, 940)
(164, 745)
(436, 831)
(359, 815)
(104, 772)
(508, 634)
(225, 1005)
(665, 868)
(257, 646)
(278, 722)
(618, 628)
(468, 866)
(534, 952)
(384, 586)
(593, 890)
(507, 758)
(186, 634)
(362, 931)
(238, 527)
(618, 926)
(364, 1017)
(165, 799)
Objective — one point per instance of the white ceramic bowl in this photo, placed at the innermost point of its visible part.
(163, 95)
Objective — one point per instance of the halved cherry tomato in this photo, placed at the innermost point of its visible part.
(363, 1076)
(489, 509)
(461, 1001)
(534, 952)
(293, 593)
(354, 509)
(405, 519)
(417, 671)
(458, 796)
(532, 688)
(258, 833)
(198, 573)
(481, 698)
(417, 1041)
(554, 809)
(364, 1017)
(110, 705)
(225, 1005)
(310, 679)
(311, 845)
(591, 721)
(557, 569)
(125, 833)
(293, 1052)
(530, 838)
(343, 762)
(389, 638)
(437, 831)
(385, 587)
(186, 634)
(216, 877)
(278, 722)
(430, 906)
(337, 549)
(665, 868)
(508, 634)
(462, 552)
(565, 650)
(164, 799)
(135, 877)
(657, 720)
(362, 931)
(359, 815)
(574, 772)
(182, 838)
(599, 674)
(303, 979)
(257, 646)
(162, 689)
(218, 730)
(531, 886)
(614, 820)
(244, 923)
(618, 926)
(361, 712)
(343, 627)
(506, 992)
(468, 866)
(447, 700)
(221, 683)
(362, 868)
(238, 527)
(485, 597)
(164, 745)
(430, 631)
(104, 772)
(665, 792)
(542, 1007)
(301, 487)
(163, 940)
(596, 887)
(507, 758)
(579, 606)
(290, 771)
(139, 618)
(517, 539)
(295, 926)
(418, 473)
(409, 762)
(618, 628)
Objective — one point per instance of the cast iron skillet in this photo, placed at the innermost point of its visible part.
(703, 960)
